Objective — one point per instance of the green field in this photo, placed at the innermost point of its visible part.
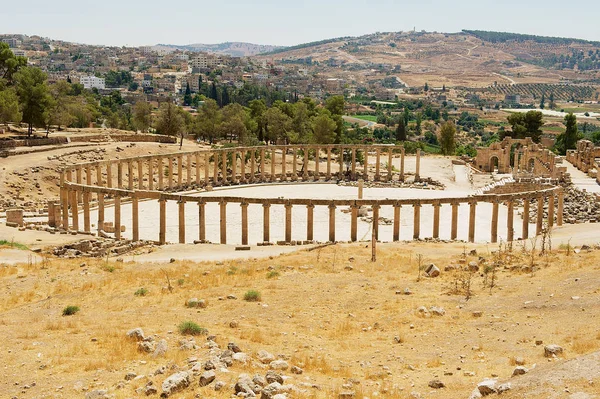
(369, 118)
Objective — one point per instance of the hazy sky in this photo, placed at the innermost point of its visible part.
(137, 22)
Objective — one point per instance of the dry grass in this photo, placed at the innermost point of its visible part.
(337, 325)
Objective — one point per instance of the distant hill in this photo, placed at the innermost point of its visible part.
(235, 49)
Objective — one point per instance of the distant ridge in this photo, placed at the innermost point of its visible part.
(501, 37)
(234, 49)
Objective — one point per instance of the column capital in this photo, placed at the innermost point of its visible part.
(266, 205)
(376, 206)
(288, 204)
(310, 205)
(437, 203)
(222, 202)
(397, 205)
(332, 206)
(244, 204)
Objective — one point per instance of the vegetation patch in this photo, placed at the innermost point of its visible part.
(191, 328)
(252, 296)
(70, 310)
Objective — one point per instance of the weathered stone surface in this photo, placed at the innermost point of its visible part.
(552, 350)
(519, 370)
(174, 383)
(279, 365)
(436, 384)
(136, 334)
(265, 357)
(487, 387)
(432, 271)
(207, 377)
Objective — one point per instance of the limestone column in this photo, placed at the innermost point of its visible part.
(551, 210)
(129, 175)
(216, 168)
(332, 208)
(436, 219)
(224, 156)
(151, 174)
(100, 212)
(244, 206)
(188, 166)
(454, 228)
(88, 175)
(310, 208)
(353, 164)
(540, 216)
(418, 166)
(376, 220)
(377, 162)
(354, 222)
(266, 222)
(389, 168)
(202, 221)
(79, 173)
(109, 175)
(117, 217)
(341, 161)
(223, 221)
(198, 169)
(361, 185)
(74, 210)
(317, 172)
(366, 165)
(140, 170)
(234, 179)
(179, 171)
(525, 234)
(288, 223)
(397, 208)
(206, 168)
(283, 165)
(495, 207)
(86, 212)
(135, 219)
(305, 164)
(243, 166)
(294, 165)
(402, 163)
(510, 221)
(273, 153)
(416, 221)
(328, 176)
(65, 208)
(472, 215)
(161, 174)
(98, 176)
(170, 177)
(559, 215)
(262, 165)
(181, 224)
(119, 174)
(162, 233)
(252, 165)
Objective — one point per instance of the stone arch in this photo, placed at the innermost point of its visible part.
(494, 163)
(531, 164)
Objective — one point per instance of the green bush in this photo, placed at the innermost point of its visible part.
(252, 296)
(141, 292)
(70, 310)
(273, 274)
(191, 328)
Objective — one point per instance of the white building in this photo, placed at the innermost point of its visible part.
(146, 50)
(91, 82)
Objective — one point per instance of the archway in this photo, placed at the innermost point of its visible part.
(531, 164)
(494, 164)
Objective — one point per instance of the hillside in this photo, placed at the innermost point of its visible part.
(235, 49)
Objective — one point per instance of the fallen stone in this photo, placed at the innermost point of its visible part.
(207, 377)
(174, 383)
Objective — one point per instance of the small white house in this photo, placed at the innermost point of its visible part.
(91, 82)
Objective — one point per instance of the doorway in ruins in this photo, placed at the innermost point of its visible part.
(515, 151)
(494, 164)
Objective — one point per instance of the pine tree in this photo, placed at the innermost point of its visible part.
(447, 138)
(401, 130)
(213, 92)
(426, 88)
(543, 101)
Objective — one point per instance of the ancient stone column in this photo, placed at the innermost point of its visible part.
(396, 234)
(559, 215)
(74, 210)
(262, 165)
(305, 164)
(162, 233)
(252, 165)
(354, 223)
(310, 222)
(129, 175)
(495, 207)
(224, 156)
(243, 166)
(151, 174)
(377, 162)
(161, 173)
(418, 166)
(181, 224)
(454, 228)
(341, 162)
(273, 158)
(288, 223)
(266, 222)
(366, 164)
(170, 177)
(179, 171)
(328, 176)
(198, 177)
(436, 219)
(283, 165)
(79, 181)
(361, 184)
(510, 221)
(294, 165)
(216, 168)
(416, 221)
(353, 165)
(99, 175)
(119, 174)
(332, 208)
(88, 175)
(525, 234)
(188, 166)
(206, 168)
(86, 212)
(117, 217)
(109, 182)
(389, 168)
(135, 218)
(202, 221)
(540, 216)
(244, 206)
(551, 210)
(140, 170)
(375, 227)
(223, 221)
(402, 163)
(472, 215)
(100, 212)
(234, 179)
(317, 172)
